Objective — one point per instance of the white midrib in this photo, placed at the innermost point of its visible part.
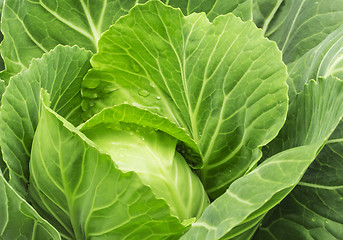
(292, 25)
(271, 16)
(95, 31)
(332, 69)
(318, 186)
(101, 18)
(66, 22)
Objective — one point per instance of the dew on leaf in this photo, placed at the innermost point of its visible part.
(143, 93)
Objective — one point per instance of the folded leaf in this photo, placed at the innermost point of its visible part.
(125, 113)
(60, 73)
(222, 82)
(84, 195)
(19, 220)
(138, 146)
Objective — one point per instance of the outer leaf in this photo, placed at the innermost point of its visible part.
(60, 73)
(322, 61)
(33, 27)
(19, 220)
(82, 193)
(214, 8)
(300, 25)
(250, 197)
(312, 117)
(223, 82)
(314, 208)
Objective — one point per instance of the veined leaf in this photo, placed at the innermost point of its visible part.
(300, 25)
(250, 197)
(84, 195)
(314, 208)
(78, 22)
(322, 61)
(126, 113)
(312, 117)
(264, 12)
(140, 146)
(222, 82)
(33, 27)
(60, 73)
(19, 220)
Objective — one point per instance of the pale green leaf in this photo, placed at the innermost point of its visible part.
(138, 146)
(222, 82)
(125, 113)
(19, 220)
(60, 73)
(84, 195)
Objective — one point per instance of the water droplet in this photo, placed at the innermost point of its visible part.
(158, 98)
(314, 219)
(91, 82)
(110, 89)
(143, 93)
(135, 67)
(91, 104)
(131, 133)
(143, 138)
(152, 85)
(326, 221)
(85, 105)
